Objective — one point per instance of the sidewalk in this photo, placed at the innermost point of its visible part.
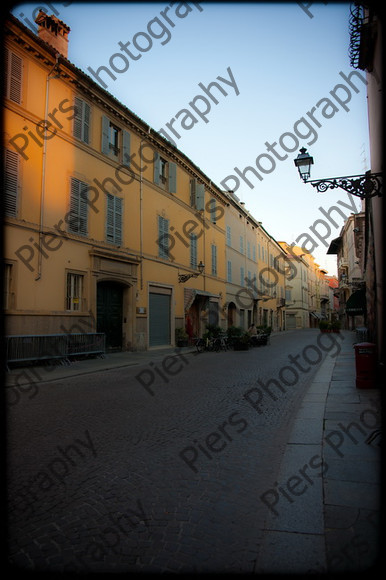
(329, 480)
(55, 371)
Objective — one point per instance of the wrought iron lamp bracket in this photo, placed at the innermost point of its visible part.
(363, 186)
(185, 277)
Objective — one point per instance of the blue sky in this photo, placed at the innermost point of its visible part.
(283, 63)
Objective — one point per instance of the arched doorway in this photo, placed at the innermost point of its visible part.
(109, 313)
(231, 314)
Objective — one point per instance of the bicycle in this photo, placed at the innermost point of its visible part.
(221, 343)
(211, 344)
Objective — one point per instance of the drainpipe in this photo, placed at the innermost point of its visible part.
(43, 183)
(141, 213)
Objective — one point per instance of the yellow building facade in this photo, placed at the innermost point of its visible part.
(107, 225)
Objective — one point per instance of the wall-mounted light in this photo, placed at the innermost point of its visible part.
(363, 186)
(185, 277)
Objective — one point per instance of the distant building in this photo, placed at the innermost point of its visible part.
(352, 302)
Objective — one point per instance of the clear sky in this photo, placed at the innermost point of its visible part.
(279, 60)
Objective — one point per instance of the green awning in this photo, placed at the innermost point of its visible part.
(356, 304)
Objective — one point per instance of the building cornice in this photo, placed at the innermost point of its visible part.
(48, 56)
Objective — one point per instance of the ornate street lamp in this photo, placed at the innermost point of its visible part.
(185, 277)
(363, 186)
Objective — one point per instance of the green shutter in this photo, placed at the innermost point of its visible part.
(200, 196)
(77, 128)
(193, 183)
(105, 135)
(86, 123)
(118, 220)
(114, 219)
(157, 168)
(212, 210)
(126, 148)
(81, 128)
(77, 223)
(172, 177)
(193, 250)
(163, 237)
(214, 260)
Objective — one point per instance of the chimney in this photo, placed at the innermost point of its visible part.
(53, 31)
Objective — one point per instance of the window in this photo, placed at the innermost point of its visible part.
(165, 173)
(212, 210)
(248, 249)
(193, 250)
(74, 292)
(229, 235)
(114, 219)
(163, 237)
(242, 244)
(115, 142)
(197, 195)
(77, 223)
(214, 260)
(114, 138)
(254, 253)
(259, 251)
(288, 296)
(229, 271)
(81, 127)
(13, 76)
(11, 182)
(8, 271)
(242, 276)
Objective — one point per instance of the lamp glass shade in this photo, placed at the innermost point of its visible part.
(303, 162)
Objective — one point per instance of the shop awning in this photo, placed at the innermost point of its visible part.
(356, 304)
(316, 315)
(335, 246)
(191, 293)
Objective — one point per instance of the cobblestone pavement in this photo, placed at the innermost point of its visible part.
(105, 476)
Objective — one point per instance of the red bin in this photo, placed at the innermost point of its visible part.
(365, 365)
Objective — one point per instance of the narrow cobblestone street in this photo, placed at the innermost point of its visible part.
(105, 475)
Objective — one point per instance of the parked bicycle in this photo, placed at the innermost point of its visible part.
(211, 344)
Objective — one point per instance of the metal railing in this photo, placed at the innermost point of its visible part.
(30, 347)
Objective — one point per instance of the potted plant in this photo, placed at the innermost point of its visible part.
(242, 341)
(182, 338)
(336, 325)
(233, 334)
(324, 326)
